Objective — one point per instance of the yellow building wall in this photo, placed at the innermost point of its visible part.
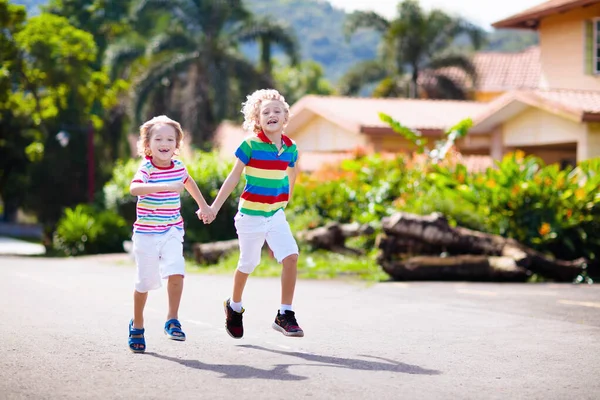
(322, 135)
(593, 141)
(562, 42)
(534, 127)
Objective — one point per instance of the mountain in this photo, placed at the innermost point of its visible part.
(319, 28)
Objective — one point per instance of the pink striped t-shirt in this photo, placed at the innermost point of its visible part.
(158, 212)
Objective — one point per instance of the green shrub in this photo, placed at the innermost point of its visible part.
(83, 230)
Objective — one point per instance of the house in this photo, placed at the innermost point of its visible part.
(544, 100)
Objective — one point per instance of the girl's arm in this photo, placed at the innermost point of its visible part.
(141, 189)
(230, 183)
(194, 190)
(292, 174)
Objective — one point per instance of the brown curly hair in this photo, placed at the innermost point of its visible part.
(251, 108)
(146, 133)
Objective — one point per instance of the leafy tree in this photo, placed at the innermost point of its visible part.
(200, 41)
(305, 78)
(415, 45)
(14, 139)
(104, 19)
(53, 85)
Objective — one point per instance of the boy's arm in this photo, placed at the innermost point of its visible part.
(292, 174)
(230, 183)
(140, 188)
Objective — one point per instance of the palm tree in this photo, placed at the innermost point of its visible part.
(197, 57)
(416, 48)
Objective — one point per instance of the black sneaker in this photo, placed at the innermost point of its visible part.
(233, 321)
(287, 324)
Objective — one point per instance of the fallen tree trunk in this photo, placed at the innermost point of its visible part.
(434, 230)
(456, 268)
(210, 253)
(333, 236)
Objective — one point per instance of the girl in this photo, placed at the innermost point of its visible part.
(158, 230)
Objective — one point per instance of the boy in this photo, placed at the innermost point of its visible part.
(268, 159)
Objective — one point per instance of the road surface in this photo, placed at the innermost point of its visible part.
(64, 336)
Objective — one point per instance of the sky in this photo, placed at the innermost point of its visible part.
(481, 12)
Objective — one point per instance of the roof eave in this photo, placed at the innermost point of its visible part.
(531, 20)
(588, 116)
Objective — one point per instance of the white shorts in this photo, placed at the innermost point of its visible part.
(157, 255)
(252, 232)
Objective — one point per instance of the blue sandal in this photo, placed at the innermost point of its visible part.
(174, 333)
(137, 342)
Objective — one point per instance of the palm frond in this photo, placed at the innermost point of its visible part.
(120, 54)
(364, 19)
(272, 32)
(152, 78)
(186, 12)
(180, 41)
(459, 61)
(360, 75)
(443, 87)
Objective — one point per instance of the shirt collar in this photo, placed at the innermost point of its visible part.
(286, 140)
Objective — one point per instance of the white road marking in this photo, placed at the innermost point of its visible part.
(477, 292)
(579, 303)
(200, 323)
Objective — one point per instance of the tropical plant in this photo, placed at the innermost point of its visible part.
(415, 48)
(300, 80)
(85, 230)
(200, 41)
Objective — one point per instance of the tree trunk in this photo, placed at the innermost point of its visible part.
(463, 268)
(434, 231)
(210, 253)
(333, 236)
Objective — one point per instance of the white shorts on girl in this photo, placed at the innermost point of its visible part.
(252, 232)
(157, 256)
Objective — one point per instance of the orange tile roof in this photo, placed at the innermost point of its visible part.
(529, 19)
(578, 105)
(362, 114)
(500, 72)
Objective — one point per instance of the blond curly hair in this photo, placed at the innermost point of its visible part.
(251, 108)
(146, 133)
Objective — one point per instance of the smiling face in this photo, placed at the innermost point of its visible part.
(163, 143)
(272, 116)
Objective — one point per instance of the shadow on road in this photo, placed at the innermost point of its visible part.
(352, 363)
(278, 372)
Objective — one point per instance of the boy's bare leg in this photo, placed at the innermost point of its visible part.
(288, 278)
(139, 302)
(174, 290)
(239, 283)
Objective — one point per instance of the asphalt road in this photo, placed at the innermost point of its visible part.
(64, 336)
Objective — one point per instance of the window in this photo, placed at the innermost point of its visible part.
(592, 47)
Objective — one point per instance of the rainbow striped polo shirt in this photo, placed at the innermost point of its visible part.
(267, 187)
(158, 212)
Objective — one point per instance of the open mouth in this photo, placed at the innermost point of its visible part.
(272, 122)
(164, 150)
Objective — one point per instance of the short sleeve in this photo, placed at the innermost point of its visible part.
(244, 152)
(294, 159)
(185, 175)
(142, 175)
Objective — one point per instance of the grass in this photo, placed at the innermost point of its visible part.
(311, 265)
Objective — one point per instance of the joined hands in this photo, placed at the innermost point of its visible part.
(206, 214)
